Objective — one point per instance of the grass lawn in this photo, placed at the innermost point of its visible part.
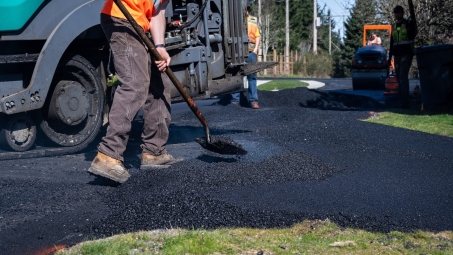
(282, 84)
(426, 121)
(308, 237)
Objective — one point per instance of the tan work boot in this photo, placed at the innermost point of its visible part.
(254, 105)
(110, 168)
(161, 161)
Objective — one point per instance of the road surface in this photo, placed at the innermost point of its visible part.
(310, 156)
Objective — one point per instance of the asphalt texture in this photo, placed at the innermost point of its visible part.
(309, 156)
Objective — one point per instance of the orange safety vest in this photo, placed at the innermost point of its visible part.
(140, 10)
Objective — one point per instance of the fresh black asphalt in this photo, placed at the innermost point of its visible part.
(310, 156)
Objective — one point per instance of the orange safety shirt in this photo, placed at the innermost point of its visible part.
(253, 31)
(140, 10)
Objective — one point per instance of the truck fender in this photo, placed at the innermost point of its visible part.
(33, 97)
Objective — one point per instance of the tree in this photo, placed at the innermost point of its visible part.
(286, 36)
(300, 20)
(270, 31)
(363, 12)
(434, 19)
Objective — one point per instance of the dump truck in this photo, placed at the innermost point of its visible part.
(55, 63)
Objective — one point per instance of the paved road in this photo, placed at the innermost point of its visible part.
(309, 156)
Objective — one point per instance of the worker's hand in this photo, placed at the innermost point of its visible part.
(255, 51)
(162, 65)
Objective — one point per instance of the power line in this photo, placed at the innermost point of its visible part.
(343, 7)
(328, 6)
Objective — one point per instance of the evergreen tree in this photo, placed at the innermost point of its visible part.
(300, 21)
(363, 12)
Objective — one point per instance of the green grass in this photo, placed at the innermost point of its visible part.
(429, 122)
(308, 237)
(282, 84)
(279, 76)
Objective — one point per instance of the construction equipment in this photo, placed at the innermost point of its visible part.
(367, 28)
(53, 71)
(369, 65)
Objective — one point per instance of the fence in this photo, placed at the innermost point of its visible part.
(283, 68)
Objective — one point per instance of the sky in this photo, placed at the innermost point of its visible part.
(337, 8)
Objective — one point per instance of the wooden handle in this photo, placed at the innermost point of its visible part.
(412, 12)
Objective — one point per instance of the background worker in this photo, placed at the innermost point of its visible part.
(402, 48)
(254, 44)
(143, 84)
(376, 39)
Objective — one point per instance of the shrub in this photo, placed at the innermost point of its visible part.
(315, 66)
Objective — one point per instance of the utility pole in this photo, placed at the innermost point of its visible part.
(330, 31)
(315, 34)
(330, 35)
(287, 38)
(260, 51)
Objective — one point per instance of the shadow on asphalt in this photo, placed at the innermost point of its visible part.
(226, 100)
(103, 182)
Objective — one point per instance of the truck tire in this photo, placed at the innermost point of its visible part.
(18, 133)
(73, 112)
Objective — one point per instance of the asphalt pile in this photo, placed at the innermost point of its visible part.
(180, 196)
(308, 137)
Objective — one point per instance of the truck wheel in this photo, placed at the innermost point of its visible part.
(73, 112)
(18, 133)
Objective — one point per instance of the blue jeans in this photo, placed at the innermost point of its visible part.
(252, 91)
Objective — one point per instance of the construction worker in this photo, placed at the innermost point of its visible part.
(402, 49)
(254, 44)
(143, 83)
(375, 40)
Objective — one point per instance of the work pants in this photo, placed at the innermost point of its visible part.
(141, 85)
(402, 66)
(251, 78)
